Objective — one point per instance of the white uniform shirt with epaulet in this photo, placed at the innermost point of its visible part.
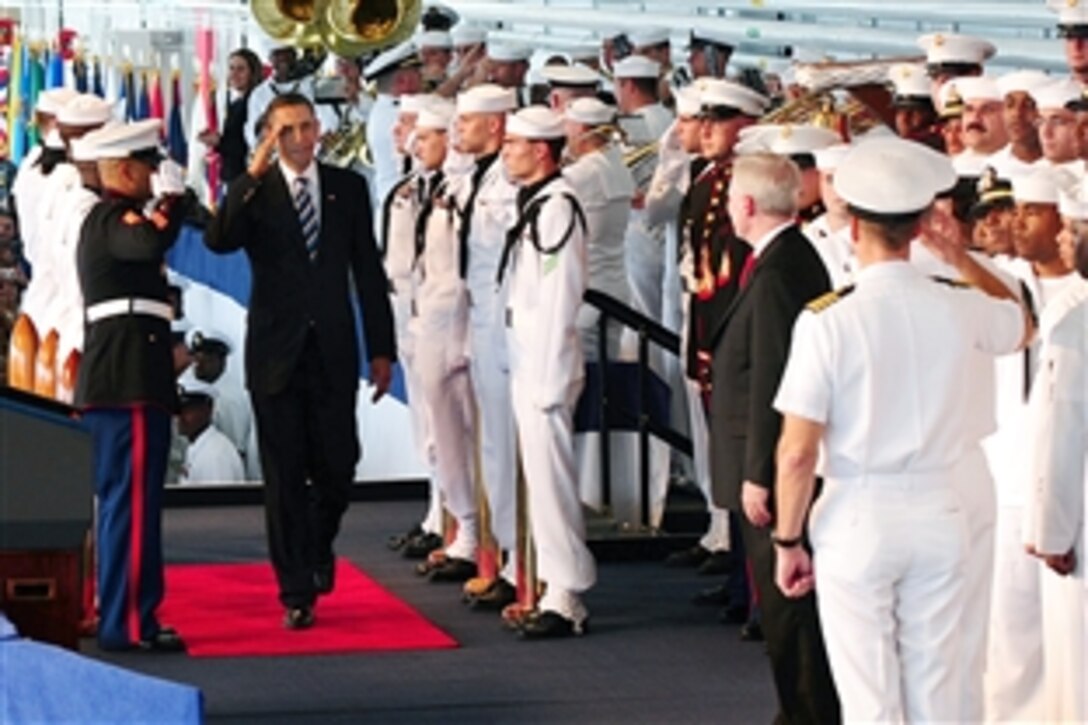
(212, 458)
(898, 340)
(54, 265)
(388, 164)
(835, 249)
(26, 188)
(546, 286)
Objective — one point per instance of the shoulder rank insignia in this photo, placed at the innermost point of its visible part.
(955, 283)
(132, 218)
(822, 302)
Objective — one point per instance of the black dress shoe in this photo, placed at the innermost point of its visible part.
(299, 617)
(165, 640)
(752, 632)
(497, 596)
(719, 562)
(551, 625)
(716, 596)
(735, 614)
(418, 547)
(397, 541)
(453, 570)
(694, 556)
(325, 578)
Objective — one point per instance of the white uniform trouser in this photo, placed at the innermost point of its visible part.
(1065, 633)
(1014, 661)
(546, 440)
(890, 555)
(491, 388)
(645, 257)
(448, 395)
(974, 485)
(716, 537)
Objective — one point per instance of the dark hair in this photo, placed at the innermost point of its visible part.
(287, 100)
(1080, 260)
(646, 86)
(895, 230)
(956, 70)
(555, 148)
(256, 68)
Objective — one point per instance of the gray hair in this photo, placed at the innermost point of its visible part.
(773, 182)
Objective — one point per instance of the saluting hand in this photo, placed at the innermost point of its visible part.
(262, 156)
(381, 376)
(943, 235)
(793, 572)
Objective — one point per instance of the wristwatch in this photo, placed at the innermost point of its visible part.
(786, 543)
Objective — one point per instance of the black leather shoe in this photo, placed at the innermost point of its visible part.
(752, 632)
(551, 625)
(735, 614)
(165, 640)
(497, 596)
(325, 578)
(719, 562)
(694, 556)
(398, 541)
(299, 618)
(716, 596)
(418, 547)
(453, 570)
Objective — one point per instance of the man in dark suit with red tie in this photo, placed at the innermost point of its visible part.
(307, 230)
(751, 344)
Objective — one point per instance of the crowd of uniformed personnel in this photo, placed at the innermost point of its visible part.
(883, 340)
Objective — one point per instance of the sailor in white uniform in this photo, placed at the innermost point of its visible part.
(1021, 117)
(544, 270)
(489, 211)
(210, 457)
(233, 415)
(396, 74)
(1054, 526)
(286, 78)
(877, 379)
(1059, 131)
(830, 232)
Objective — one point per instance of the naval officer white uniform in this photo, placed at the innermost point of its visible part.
(545, 272)
(877, 377)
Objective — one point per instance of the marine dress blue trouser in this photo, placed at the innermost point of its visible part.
(131, 446)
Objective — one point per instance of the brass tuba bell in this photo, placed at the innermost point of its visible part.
(292, 22)
(353, 27)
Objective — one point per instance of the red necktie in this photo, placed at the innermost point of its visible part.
(746, 271)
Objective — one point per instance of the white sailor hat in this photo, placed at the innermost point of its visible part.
(434, 39)
(194, 390)
(829, 158)
(590, 111)
(891, 175)
(537, 123)
(688, 101)
(955, 49)
(486, 98)
(709, 37)
(720, 96)
(636, 66)
(1057, 94)
(1072, 17)
(970, 165)
(54, 99)
(465, 34)
(912, 83)
(978, 88)
(138, 139)
(1073, 201)
(1040, 186)
(85, 110)
(411, 103)
(399, 56)
(648, 37)
(85, 148)
(206, 339)
(508, 53)
(53, 140)
(1023, 81)
(568, 76)
(785, 139)
(436, 114)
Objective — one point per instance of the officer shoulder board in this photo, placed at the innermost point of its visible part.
(528, 219)
(953, 283)
(822, 302)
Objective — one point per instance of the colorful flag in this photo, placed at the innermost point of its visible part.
(54, 78)
(205, 52)
(79, 74)
(16, 120)
(176, 143)
(154, 97)
(97, 86)
(36, 83)
(143, 102)
(128, 93)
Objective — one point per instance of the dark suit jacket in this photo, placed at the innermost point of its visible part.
(751, 345)
(293, 297)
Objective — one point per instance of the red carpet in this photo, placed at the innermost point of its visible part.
(231, 610)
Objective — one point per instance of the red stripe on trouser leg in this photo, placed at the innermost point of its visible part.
(139, 474)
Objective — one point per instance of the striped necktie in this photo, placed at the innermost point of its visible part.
(307, 216)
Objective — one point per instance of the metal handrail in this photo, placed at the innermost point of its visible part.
(649, 331)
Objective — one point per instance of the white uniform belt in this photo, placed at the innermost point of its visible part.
(938, 480)
(130, 305)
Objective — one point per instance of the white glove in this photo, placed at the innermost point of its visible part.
(168, 180)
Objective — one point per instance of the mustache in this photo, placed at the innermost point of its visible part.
(980, 127)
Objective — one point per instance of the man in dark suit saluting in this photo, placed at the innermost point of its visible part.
(307, 231)
(751, 345)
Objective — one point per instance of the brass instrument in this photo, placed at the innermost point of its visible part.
(347, 28)
(346, 147)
